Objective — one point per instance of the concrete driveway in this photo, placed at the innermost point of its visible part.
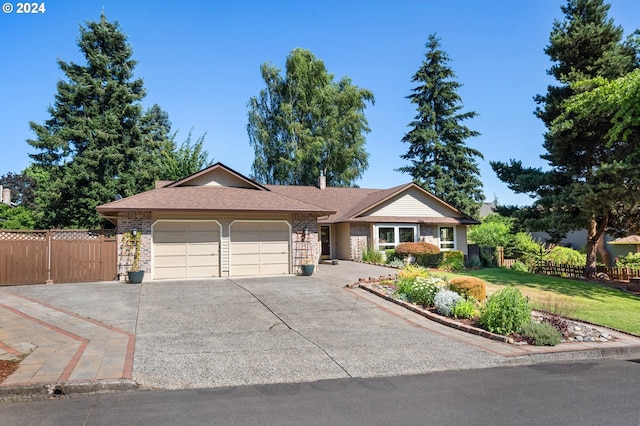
(228, 332)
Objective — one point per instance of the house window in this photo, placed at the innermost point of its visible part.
(447, 238)
(389, 236)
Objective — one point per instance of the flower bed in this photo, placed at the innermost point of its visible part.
(571, 331)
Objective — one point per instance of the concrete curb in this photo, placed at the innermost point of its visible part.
(64, 389)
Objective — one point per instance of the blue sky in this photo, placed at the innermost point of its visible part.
(200, 62)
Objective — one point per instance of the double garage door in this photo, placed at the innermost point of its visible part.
(192, 249)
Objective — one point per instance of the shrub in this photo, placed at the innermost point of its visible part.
(397, 263)
(403, 285)
(445, 301)
(631, 260)
(429, 260)
(505, 311)
(566, 256)
(469, 287)
(465, 308)
(371, 255)
(474, 263)
(452, 261)
(541, 334)
(391, 255)
(416, 249)
(521, 246)
(424, 290)
(519, 266)
(413, 271)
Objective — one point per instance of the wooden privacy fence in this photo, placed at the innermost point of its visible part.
(38, 257)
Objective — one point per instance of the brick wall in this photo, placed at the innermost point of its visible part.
(128, 221)
(359, 238)
(304, 246)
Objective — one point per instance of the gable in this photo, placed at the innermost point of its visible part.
(412, 203)
(218, 177)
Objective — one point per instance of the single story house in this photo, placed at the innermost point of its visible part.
(218, 222)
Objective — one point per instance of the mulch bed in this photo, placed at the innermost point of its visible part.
(7, 368)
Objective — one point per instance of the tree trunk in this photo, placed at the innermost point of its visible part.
(594, 233)
(602, 251)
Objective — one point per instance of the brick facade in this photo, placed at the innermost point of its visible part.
(305, 247)
(128, 221)
(360, 237)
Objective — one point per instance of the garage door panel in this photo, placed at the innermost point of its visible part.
(186, 250)
(203, 237)
(274, 236)
(244, 248)
(165, 273)
(202, 271)
(266, 269)
(246, 259)
(169, 237)
(203, 249)
(267, 258)
(245, 236)
(169, 249)
(279, 247)
(260, 248)
(201, 261)
(171, 261)
(170, 227)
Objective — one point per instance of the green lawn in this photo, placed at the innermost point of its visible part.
(594, 302)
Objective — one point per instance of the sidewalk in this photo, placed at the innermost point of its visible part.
(61, 346)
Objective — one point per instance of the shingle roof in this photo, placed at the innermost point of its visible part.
(350, 203)
(631, 239)
(331, 204)
(198, 198)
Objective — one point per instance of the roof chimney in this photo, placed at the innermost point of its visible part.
(322, 181)
(6, 195)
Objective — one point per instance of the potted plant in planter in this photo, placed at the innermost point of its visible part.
(133, 242)
(307, 267)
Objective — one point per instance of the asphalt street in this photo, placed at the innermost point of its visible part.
(581, 394)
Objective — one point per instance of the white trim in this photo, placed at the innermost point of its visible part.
(396, 233)
(286, 222)
(455, 242)
(187, 221)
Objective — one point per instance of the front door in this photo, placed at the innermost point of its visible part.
(325, 242)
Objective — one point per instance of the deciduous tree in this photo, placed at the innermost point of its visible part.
(304, 123)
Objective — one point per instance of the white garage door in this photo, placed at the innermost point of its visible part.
(259, 248)
(186, 250)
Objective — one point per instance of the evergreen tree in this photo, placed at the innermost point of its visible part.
(441, 162)
(305, 123)
(581, 188)
(95, 145)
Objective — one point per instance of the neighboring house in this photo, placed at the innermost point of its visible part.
(624, 246)
(486, 209)
(218, 222)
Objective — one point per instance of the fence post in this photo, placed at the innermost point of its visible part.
(49, 236)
